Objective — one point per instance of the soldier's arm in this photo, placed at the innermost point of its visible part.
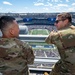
(53, 36)
(28, 53)
(49, 38)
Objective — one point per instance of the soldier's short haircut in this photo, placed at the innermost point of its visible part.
(5, 21)
(65, 16)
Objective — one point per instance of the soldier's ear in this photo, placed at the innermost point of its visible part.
(11, 31)
(66, 20)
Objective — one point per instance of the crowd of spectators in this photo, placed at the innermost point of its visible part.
(46, 53)
(48, 27)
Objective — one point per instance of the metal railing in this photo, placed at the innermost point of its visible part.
(40, 60)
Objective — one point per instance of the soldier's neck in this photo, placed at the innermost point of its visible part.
(6, 36)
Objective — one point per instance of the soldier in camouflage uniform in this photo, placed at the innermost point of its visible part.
(15, 55)
(64, 39)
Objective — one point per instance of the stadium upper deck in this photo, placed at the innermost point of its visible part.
(28, 18)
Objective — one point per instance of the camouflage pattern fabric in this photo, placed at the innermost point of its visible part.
(65, 41)
(15, 55)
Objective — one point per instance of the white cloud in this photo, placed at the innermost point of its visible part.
(55, 8)
(73, 4)
(67, 0)
(8, 3)
(42, 4)
(64, 5)
(45, 8)
(55, 0)
(48, 4)
(40, 1)
(71, 9)
(38, 4)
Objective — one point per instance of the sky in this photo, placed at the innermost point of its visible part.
(37, 6)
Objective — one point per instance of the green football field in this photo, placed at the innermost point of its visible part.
(39, 32)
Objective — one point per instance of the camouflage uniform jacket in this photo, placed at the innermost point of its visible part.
(15, 55)
(64, 39)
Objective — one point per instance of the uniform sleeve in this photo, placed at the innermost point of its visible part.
(49, 38)
(28, 53)
(53, 36)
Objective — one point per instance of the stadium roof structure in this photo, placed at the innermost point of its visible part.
(39, 21)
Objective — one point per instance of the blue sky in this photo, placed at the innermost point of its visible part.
(37, 6)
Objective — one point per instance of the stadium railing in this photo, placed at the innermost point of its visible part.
(40, 60)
